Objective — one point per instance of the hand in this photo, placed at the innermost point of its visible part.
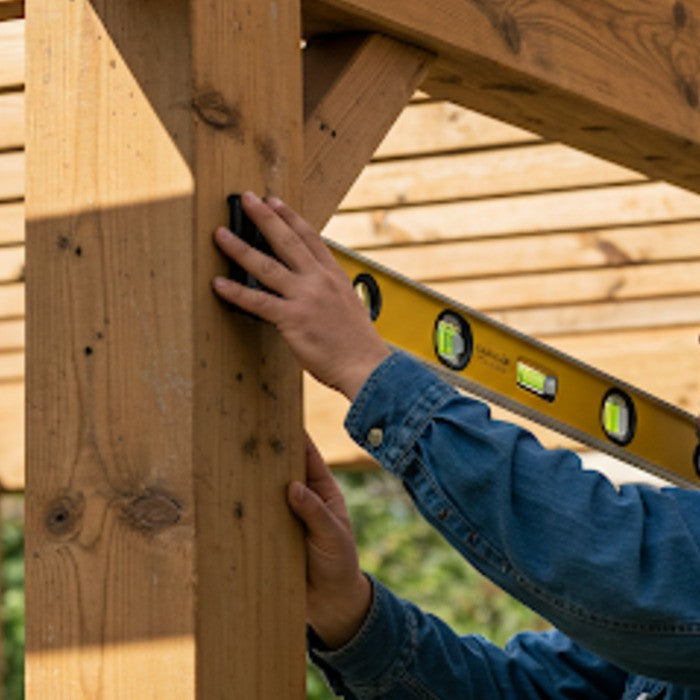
(338, 593)
(317, 310)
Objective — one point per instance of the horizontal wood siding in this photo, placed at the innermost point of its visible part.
(592, 257)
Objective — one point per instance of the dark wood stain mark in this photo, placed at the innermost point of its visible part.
(513, 88)
(212, 109)
(613, 254)
(267, 148)
(268, 391)
(277, 445)
(680, 15)
(151, 511)
(238, 510)
(615, 287)
(250, 446)
(511, 33)
(690, 93)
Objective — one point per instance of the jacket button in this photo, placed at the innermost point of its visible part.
(375, 437)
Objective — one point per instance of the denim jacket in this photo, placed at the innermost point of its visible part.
(616, 571)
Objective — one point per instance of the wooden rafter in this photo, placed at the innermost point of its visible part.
(355, 88)
(618, 78)
(11, 9)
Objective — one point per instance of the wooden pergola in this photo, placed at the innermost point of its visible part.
(162, 428)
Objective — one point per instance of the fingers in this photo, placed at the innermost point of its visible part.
(266, 306)
(303, 228)
(288, 245)
(324, 529)
(318, 475)
(269, 271)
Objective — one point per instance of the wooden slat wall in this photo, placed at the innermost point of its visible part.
(11, 247)
(587, 255)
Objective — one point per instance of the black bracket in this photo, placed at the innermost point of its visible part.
(244, 228)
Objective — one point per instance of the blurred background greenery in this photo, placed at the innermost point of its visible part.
(395, 544)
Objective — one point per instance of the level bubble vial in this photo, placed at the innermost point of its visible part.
(618, 417)
(536, 381)
(452, 340)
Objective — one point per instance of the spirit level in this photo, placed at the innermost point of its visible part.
(526, 376)
(513, 370)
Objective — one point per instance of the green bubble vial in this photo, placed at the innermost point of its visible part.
(534, 380)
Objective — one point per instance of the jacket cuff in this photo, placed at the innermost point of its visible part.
(386, 422)
(371, 657)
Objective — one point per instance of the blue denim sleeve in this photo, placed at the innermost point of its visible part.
(402, 653)
(616, 570)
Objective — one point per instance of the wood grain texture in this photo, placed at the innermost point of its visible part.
(11, 301)
(11, 264)
(11, 223)
(11, 120)
(162, 558)
(630, 282)
(501, 257)
(354, 113)
(12, 53)
(12, 436)
(545, 66)
(249, 444)
(426, 128)
(461, 176)
(518, 215)
(11, 175)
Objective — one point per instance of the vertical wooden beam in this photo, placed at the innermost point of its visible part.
(162, 427)
(247, 98)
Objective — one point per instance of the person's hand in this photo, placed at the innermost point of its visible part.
(317, 310)
(338, 593)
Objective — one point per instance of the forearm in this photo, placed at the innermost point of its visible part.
(402, 653)
(616, 570)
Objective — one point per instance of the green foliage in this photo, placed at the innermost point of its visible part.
(405, 553)
(13, 599)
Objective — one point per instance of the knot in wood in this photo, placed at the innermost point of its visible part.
(213, 109)
(151, 512)
(64, 514)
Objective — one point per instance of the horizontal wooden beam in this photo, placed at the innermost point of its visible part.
(638, 204)
(547, 67)
(539, 167)
(11, 264)
(427, 128)
(498, 258)
(11, 54)
(11, 175)
(11, 223)
(629, 283)
(355, 89)
(11, 9)
(11, 120)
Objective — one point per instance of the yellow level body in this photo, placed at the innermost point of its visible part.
(528, 377)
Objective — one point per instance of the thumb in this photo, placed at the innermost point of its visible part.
(323, 527)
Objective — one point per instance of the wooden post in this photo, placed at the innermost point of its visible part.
(162, 427)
